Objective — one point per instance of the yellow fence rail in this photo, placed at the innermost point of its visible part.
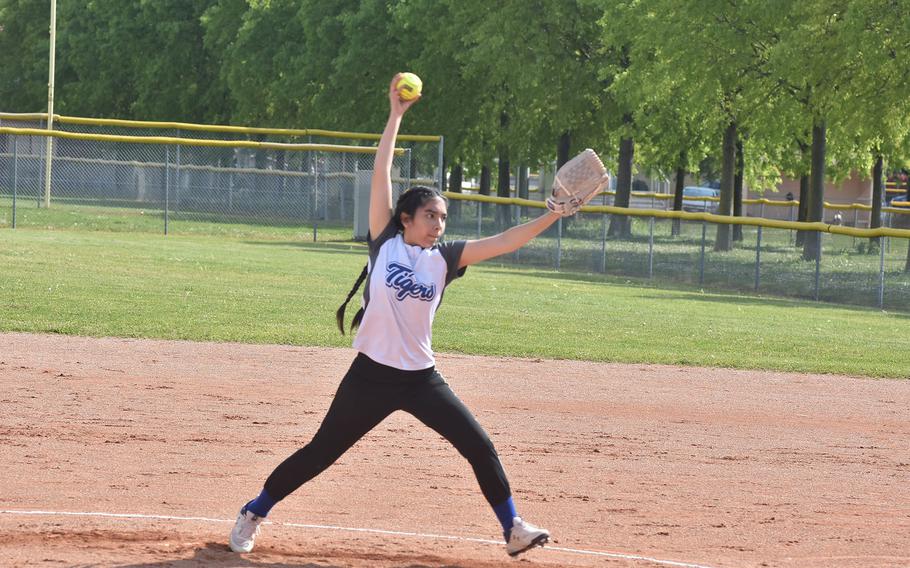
(167, 140)
(707, 217)
(292, 132)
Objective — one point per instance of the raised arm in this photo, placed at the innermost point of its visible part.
(506, 241)
(381, 182)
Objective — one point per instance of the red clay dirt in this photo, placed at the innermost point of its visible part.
(627, 465)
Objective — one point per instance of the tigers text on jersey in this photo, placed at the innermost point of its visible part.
(403, 291)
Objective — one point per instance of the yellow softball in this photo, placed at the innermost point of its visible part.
(409, 86)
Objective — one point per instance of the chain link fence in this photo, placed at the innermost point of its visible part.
(851, 270)
(238, 180)
(212, 179)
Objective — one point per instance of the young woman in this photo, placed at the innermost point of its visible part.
(394, 369)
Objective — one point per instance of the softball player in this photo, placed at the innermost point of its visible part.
(394, 369)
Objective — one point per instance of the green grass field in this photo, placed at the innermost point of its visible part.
(849, 272)
(267, 285)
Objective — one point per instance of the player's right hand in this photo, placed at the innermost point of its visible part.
(398, 106)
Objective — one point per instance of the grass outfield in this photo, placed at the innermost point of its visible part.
(849, 270)
(272, 288)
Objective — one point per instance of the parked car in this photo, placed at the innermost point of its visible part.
(694, 199)
(891, 196)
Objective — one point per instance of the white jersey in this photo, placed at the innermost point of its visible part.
(405, 284)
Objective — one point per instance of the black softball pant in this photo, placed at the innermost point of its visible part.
(368, 394)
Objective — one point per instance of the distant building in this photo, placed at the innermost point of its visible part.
(845, 192)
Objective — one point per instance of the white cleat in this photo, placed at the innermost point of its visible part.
(245, 531)
(525, 536)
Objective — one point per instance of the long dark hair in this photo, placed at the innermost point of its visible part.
(408, 202)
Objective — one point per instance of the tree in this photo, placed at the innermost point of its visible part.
(24, 50)
(143, 60)
(879, 121)
(811, 61)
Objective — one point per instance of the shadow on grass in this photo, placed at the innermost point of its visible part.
(728, 277)
(688, 292)
(723, 298)
(343, 247)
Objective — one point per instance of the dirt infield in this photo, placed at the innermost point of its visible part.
(627, 465)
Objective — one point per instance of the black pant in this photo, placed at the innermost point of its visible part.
(369, 393)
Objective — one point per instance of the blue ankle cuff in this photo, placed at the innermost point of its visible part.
(260, 506)
(505, 512)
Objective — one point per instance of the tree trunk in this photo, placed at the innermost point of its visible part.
(907, 265)
(563, 148)
(485, 184)
(803, 207)
(504, 177)
(816, 208)
(619, 224)
(722, 241)
(877, 191)
(503, 189)
(485, 180)
(456, 180)
(678, 193)
(738, 191)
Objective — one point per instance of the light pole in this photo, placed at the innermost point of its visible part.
(49, 155)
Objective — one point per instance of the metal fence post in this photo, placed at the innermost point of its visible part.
(558, 243)
(651, 248)
(855, 212)
(886, 241)
(603, 235)
(818, 264)
(407, 182)
(440, 163)
(325, 189)
(790, 218)
(881, 272)
(15, 175)
(314, 199)
(701, 262)
(341, 195)
(41, 124)
(313, 159)
(758, 258)
(177, 176)
(167, 184)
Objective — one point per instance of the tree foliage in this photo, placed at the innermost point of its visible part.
(503, 80)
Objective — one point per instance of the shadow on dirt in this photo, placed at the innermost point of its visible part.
(216, 554)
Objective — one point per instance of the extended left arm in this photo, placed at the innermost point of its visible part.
(506, 241)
